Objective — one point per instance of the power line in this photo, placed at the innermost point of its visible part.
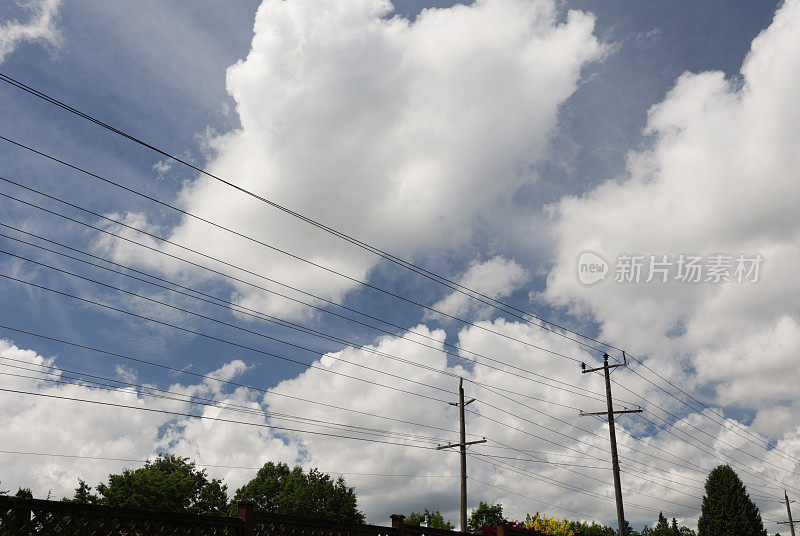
(373, 369)
(295, 361)
(123, 224)
(725, 420)
(267, 279)
(562, 434)
(224, 420)
(268, 337)
(714, 453)
(253, 349)
(595, 478)
(148, 391)
(272, 338)
(219, 380)
(272, 392)
(383, 254)
(214, 466)
(228, 324)
(216, 419)
(401, 262)
(145, 390)
(247, 311)
(219, 339)
(570, 487)
(448, 283)
(382, 431)
(586, 516)
(167, 241)
(717, 439)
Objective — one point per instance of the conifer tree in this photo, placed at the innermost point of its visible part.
(727, 508)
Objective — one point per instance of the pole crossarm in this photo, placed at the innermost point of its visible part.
(615, 412)
(468, 402)
(451, 445)
(585, 370)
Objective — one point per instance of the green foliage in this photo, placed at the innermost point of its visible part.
(661, 528)
(727, 509)
(485, 514)
(548, 525)
(279, 490)
(682, 531)
(435, 519)
(594, 529)
(168, 483)
(83, 494)
(24, 493)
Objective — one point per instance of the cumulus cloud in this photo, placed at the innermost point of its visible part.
(531, 424)
(31, 424)
(497, 278)
(41, 28)
(720, 177)
(405, 134)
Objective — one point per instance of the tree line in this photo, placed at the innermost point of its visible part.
(175, 484)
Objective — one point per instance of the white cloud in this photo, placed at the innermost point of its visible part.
(125, 373)
(31, 424)
(405, 134)
(40, 28)
(109, 432)
(721, 176)
(162, 167)
(497, 278)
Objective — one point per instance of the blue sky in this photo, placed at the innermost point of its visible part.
(158, 71)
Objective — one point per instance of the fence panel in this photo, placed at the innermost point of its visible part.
(276, 525)
(411, 530)
(33, 517)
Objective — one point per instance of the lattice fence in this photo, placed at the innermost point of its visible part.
(428, 531)
(275, 525)
(31, 517)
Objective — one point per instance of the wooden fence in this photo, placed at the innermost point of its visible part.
(34, 517)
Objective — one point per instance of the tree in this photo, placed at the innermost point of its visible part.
(727, 509)
(277, 489)
(168, 483)
(435, 519)
(83, 494)
(485, 514)
(548, 525)
(24, 493)
(661, 527)
(594, 529)
(682, 531)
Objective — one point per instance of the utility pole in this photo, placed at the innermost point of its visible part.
(789, 512)
(462, 447)
(606, 368)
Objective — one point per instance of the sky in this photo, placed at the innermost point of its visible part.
(571, 159)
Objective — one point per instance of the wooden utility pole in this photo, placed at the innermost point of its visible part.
(606, 368)
(462, 447)
(789, 513)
